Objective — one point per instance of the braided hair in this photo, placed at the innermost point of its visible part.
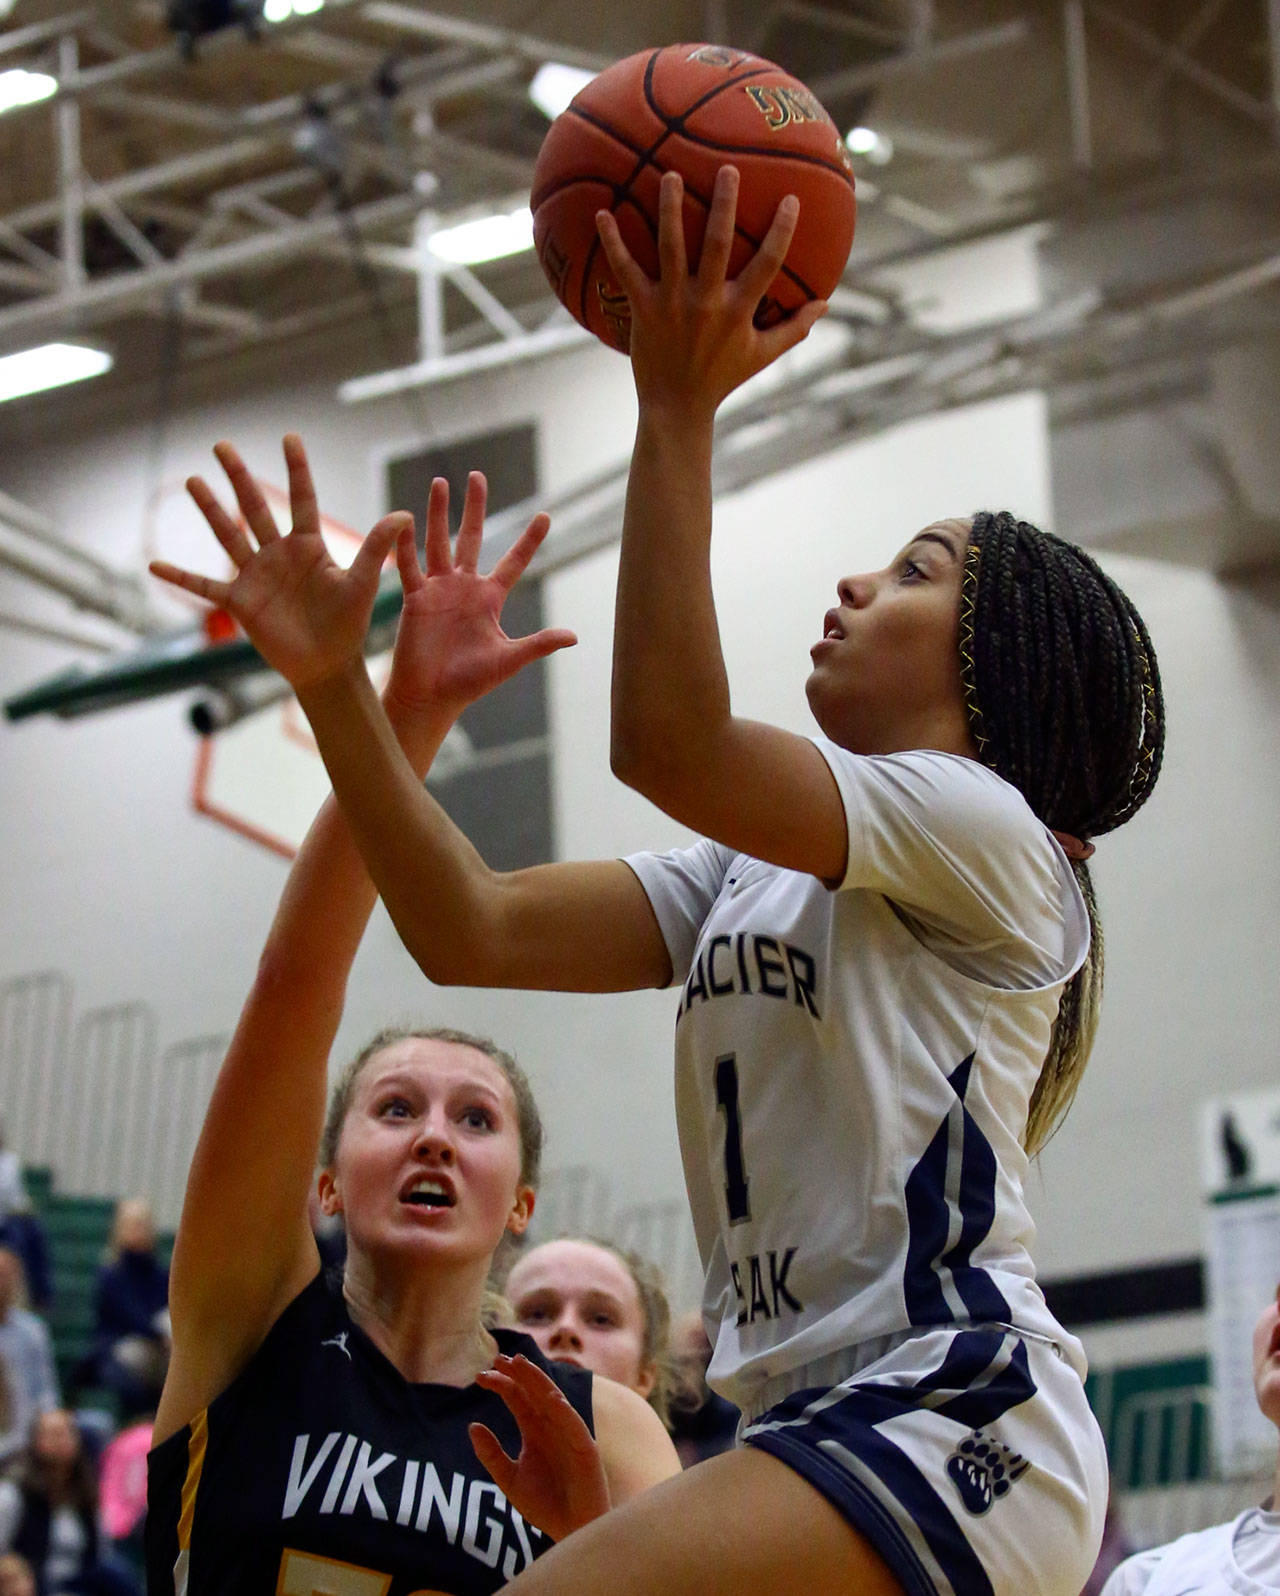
(1063, 698)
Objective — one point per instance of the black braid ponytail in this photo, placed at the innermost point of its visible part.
(1063, 696)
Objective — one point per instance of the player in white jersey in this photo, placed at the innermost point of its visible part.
(1241, 1558)
(889, 992)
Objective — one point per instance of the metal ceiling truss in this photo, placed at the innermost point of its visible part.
(232, 218)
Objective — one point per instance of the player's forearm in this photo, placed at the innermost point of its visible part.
(670, 690)
(426, 871)
(330, 894)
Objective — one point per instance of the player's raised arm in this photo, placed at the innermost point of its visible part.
(243, 1248)
(464, 923)
(674, 735)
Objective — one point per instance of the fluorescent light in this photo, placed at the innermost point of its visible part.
(282, 10)
(49, 366)
(876, 147)
(20, 87)
(487, 238)
(554, 85)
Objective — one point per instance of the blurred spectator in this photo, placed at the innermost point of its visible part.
(131, 1312)
(122, 1490)
(702, 1423)
(26, 1359)
(600, 1307)
(13, 1191)
(16, 1577)
(49, 1514)
(22, 1232)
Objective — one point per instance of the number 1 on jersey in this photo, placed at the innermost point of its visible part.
(735, 1172)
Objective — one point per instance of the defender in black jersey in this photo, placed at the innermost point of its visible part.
(320, 1456)
(361, 1435)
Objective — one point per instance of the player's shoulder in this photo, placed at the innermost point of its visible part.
(932, 789)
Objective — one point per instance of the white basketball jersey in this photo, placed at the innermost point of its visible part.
(854, 1066)
(1241, 1558)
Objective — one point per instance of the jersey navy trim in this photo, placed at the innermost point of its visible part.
(955, 1180)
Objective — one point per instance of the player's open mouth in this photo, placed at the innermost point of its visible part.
(832, 627)
(429, 1191)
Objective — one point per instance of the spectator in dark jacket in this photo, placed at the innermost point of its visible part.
(131, 1312)
(49, 1514)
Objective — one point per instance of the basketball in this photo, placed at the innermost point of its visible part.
(689, 108)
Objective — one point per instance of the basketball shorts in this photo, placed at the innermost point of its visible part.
(968, 1457)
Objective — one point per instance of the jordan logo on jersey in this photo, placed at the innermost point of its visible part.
(339, 1341)
(983, 1469)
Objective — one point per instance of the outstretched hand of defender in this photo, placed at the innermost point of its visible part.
(301, 610)
(558, 1480)
(451, 647)
(693, 335)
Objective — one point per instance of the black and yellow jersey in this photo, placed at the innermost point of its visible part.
(321, 1469)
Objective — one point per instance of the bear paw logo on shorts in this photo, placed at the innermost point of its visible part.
(983, 1469)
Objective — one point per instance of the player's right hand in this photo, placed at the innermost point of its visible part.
(450, 646)
(304, 614)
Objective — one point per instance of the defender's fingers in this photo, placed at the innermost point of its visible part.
(717, 241)
(302, 489)
(622, 263)
(524, 650)
(501, 1468)
(511, 567)
(204, 587)
(224, 527)
(466, 552)
(248, 494)
(439, 551)
(763, 266)
(378, 543)
(673, 259)
(411, 576)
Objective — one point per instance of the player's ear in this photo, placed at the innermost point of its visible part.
(521, 1210)
(647, 1379)
(328, 1193)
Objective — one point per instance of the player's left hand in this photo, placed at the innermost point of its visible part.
(558, 1480)
(693, 337)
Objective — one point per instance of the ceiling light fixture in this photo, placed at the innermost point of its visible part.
(554, 85)
(50, 366)
(874, 147)
(20, 87)
(485, 238)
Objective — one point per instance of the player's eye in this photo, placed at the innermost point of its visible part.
(478, 1119)
(910, 570)
(532, 1313)
(394, 1108)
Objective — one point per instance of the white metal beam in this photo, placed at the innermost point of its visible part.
(93, 301)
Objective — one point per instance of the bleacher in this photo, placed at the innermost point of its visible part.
(78, 1231)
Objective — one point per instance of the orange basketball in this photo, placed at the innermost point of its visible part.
(689, 108)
